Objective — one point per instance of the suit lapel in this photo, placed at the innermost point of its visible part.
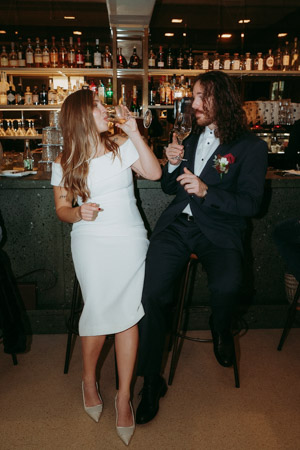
(190, 151)
(222, 150)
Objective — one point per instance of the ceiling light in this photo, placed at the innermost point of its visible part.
(69, 17)
(77, 32)
(244, 21)
(226, 36)
(184, 34)
(176, 20)
(282, 34)
(169, 34)
(242, 35)
(16, 32)
(2, 32)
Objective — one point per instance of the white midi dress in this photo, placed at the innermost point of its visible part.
(109, 253)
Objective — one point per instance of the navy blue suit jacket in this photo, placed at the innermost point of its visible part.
(222, 214)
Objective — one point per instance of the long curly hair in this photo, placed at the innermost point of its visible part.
(81, 139)
(229, 115)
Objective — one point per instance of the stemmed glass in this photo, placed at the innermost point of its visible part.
(9, 130)
(118, 114)
(182, 128)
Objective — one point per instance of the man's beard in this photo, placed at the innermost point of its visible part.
(204, 120)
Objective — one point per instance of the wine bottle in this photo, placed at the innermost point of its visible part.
(109, 93)
(135, 62)
(160, 58)
(53, 54)
(71, 54)
(286, 58)
(88, 56)
(121, 60)
(79, 54)
(27, 156)
(134, 107)
(97, 56)
(151, 58)
(107, 58)
(62, 54)
(38, 55)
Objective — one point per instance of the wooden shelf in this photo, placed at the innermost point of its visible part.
(37, 137)
(48, 72)
(241, 73)
(30, 107)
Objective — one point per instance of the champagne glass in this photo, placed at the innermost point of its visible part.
(182, 128)
(118, 114)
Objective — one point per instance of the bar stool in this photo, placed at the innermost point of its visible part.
(290, 318)
(180, 326)
(72, 326)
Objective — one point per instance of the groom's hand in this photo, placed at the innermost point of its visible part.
(192, 184)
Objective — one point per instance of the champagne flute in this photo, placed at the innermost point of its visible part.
(182, 129)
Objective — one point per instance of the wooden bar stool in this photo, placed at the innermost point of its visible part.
(290, 318)
(180, 327)
(72, 326)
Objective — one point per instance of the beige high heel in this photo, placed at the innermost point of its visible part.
(124, 433)
(93, 411)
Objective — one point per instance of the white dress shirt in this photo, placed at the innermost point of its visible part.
(207, 145)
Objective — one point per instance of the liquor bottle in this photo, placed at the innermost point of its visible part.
(151, 59)
(27, 156)
(151, 90)
(35, 96)
(258, 62)
(88, 63)
(97, 56)
(179, 59)
(20, 100)
(160, 58)
(21, 54)
(168, 91)
(46, 54)
(52, 94)
(190, 60)
(247, 64)
(92, 86)
(38, 56)
(109, 94)
(121, 60)
(170, 59)
(53, 54)
(216, 63)
(62, 54)
(28, 96)
(205, 61)
(43, 95)
(13, 57)
(270, 60)
(122, 99)
(235, 64)
(11, 93)
(226, 62)
(278, 60)
(107, 58)
(295, 56)
(134, 62)
(71, 54)
(286, 58)
(162, 91)
(134, 107)
(101, 91)
(29, 54)
(4, 57)
(79, 55)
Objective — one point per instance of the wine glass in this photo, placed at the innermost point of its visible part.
(118, 114)
(182, 128)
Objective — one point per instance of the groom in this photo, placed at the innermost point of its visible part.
(219, 183)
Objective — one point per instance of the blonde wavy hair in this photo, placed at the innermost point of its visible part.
(81, 139)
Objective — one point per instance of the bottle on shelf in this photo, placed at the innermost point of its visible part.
(97, 56)
(152, 91)
(151, 58)
(134, 107)
(170, 59)
(162, 91)
(101, 91)
(4, 57)
(121, 60)
(286, 57)
(53, 53)
(46, 54)
(122, 99)
(258, 62)
(28, 96)
(295, 55)
(160, 58)
(190, 60)
(88, 56)
(21, 54)
(236, 62)
(35, 96)
(226, 62)
(278, 60)
(20, 99)
(62, 54)
(205, 61)
(107, 58)
(43, 95)
(11, 93)
(27, 156)
(71, 54)
(12, 57)
(179, 59)
(37, 54)
(29, 54)
(168, 92)
(270, 60)
(216, 62)
(92, 86)
(79, 54)
(52, 94)
(109, 94)
(247, 62)
(135, 61)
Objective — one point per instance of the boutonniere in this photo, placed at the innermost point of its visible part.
(222, 163)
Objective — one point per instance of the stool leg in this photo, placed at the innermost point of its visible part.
(14, 358)
(290, 319)
(235, 369)
(75, 299)
(178, 324)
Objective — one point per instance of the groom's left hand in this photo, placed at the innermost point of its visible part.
(192, 184)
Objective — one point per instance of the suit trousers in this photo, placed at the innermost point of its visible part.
(168, 254)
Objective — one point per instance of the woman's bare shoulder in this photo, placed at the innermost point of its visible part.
(119, 139)
(58, 159)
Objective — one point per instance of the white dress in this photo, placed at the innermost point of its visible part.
(109, 253)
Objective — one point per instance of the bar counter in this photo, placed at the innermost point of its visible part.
(38, 246)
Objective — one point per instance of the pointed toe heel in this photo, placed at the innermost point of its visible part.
(124, 433)
(94, 412)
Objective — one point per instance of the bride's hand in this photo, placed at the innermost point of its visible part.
(130, 126)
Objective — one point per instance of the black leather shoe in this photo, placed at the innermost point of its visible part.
(154, 388)
(223, 345)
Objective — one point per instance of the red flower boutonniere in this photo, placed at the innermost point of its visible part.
(222, 163)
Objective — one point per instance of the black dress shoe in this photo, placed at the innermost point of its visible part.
(154, 388)
(223, 345)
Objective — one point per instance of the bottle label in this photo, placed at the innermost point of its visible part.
(286, 60)
(79, 59)
(11, 98)
(107, 64)
(97, 59)
(216, 64)
(248, 65)
(236, 64)
(260, 64)
(38, 58)
(4, 61)
(46, 58)
(205, 64)
(179, 62)
(54, 58)
(13, 63)
(28, 164)
(21, 62)
(35, 99)
(270, 62)
(29, 58)
(160, 64)
(151, 62)
(227, 64)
